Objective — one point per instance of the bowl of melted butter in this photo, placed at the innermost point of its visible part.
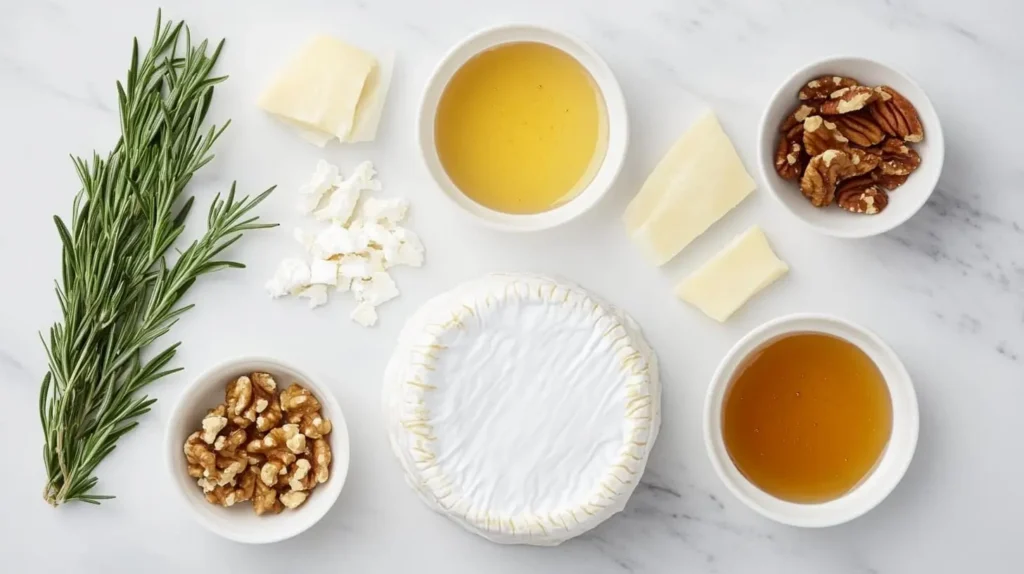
(811, 420)
(522, 127)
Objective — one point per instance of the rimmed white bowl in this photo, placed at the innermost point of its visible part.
(876, 485)
(239, 523)
(615, 106)
(904, 201)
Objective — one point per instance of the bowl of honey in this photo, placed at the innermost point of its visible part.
(811, 420)
(522, 127)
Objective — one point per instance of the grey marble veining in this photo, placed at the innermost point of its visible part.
(946, 289)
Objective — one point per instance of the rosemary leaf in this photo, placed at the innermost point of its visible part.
(117, 292)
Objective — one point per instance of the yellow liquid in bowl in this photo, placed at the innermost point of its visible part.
(521, 128)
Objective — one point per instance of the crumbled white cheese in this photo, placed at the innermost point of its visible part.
(344, 284)
(355, 267)
(339, 206)
(317, 295)
(361, 241)
(364, 314)
(376, 260)
(379, 288)
(291, 276)
(333, 240)
(407, 254)
(323, 272)
(311, 194)
(380, 236)
(342, 200)
(409, 251)
(390, 211)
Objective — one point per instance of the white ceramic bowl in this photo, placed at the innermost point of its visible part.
(239, 523)
(615, 105)
(886, 474)
(904, 201)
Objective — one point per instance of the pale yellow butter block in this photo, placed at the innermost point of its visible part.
(699, 180)
(738, 272)
(320, 90)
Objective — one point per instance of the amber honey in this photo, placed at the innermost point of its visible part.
(807, 417)
(521, 128)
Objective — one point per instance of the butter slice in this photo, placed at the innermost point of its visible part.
(320, 90)
(699, 180)
(738, 272)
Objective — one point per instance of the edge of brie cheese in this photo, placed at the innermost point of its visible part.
(522, 408)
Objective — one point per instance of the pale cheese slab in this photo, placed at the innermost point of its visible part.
(321, 88)
(699, 180)
(371, 103)
(738, 272)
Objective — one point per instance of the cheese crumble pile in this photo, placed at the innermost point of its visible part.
(352, 253)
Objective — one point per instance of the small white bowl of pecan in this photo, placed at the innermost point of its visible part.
(257, 449)
(850, 146)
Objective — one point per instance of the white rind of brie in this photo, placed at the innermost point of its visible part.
(522, 408)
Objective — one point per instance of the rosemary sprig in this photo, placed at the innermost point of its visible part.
(117, 292)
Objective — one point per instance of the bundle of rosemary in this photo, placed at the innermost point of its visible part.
(117, 293)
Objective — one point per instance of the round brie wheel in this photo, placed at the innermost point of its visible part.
(522, 408)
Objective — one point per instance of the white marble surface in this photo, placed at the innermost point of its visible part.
(946, 289)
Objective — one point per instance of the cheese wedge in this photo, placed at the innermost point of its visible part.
(320, 90)
(371, 103)
(741, 270)
(311, 135)
(698, 181)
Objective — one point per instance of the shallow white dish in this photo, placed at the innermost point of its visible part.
(615, 105)
(904, 201)
(890, 468)
(239, 523)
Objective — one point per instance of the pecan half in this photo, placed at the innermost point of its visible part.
(790, 158)
(818, 183)
(896, 115)
(821, 135)
(861, 162)
(822, 87)
(897, 158)
(860, 128)
(846, 100)
(888, 182)
(861, 195)
(800, 114)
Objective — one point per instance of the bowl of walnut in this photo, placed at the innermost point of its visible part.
(257, 449)
(850, 146)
